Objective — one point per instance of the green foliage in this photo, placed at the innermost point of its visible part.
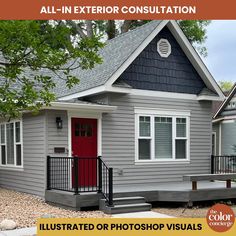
(226, 85)
(195, 30)
(26, 48)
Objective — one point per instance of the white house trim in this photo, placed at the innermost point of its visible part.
(229, 97)
(139, 111)
(224, 118)
(84, 93)
(13, 166)
(227, 121)
(220, 140)
(149, 93)
(214, 134)
(161, 111)
(208, 98)
(80, 106)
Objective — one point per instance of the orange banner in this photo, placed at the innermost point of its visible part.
(114, 9)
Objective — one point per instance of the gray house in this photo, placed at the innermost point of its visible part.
(224, 126)
(146, 110)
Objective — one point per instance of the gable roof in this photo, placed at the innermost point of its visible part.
(114, 54)
(118, 54)
(225, 102)
(121, 51)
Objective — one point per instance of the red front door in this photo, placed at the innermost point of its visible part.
(84, 146)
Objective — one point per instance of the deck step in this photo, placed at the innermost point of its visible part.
(128, 200)
(128, 208)
(125, 205)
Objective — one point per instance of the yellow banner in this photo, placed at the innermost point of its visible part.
(131, 227)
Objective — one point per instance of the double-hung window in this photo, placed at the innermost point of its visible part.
(162, 135)
(11, 144)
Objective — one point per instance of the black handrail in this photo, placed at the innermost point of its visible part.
(80, 174)
(224, 164)
(106, 181)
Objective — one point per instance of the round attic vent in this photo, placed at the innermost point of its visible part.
(164, 47)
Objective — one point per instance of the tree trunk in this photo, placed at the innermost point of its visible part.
(111, 29)
(126, 26)
(89, 28)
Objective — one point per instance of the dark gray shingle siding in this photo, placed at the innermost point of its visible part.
(150, 71)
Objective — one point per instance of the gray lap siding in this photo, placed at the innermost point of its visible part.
(32, 178)
(40, 137)
(118, 140)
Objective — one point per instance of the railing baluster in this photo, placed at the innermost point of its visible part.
(223, 164)
(88, 174)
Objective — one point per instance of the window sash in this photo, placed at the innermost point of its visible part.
(17, 144)
(174, 136)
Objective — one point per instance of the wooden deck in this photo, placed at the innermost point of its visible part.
(179, 191)
(165, 192)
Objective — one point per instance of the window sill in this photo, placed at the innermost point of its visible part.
(13, 168)
(155, 162)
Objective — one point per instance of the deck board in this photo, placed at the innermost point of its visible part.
(168, 192)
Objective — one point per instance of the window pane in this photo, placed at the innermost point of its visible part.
(17, 124)
(144, 126)
(163, 137)
(3, 154)
(181, 127)
(10, 143)
(180, 149)
(144, 149)
(2, 133)
(18, 154)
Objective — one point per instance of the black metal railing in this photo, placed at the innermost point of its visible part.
(80, 174)
(223, 164)
(106, 181)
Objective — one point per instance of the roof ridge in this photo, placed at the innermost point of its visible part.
(131, 31)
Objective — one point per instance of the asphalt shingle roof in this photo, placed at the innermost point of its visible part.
(114, 54)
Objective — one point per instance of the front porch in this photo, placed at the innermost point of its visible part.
(77, 183)
(163, 192)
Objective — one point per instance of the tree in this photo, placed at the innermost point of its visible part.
(226, 85)
(58, 47)
(30, 46)
(195, 30)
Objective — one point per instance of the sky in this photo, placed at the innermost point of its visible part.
(221, 47)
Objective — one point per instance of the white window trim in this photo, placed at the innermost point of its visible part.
(13, 166)
(214, 134)
(152, 112)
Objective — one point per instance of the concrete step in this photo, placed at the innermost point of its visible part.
(127, 200)
(127, 208)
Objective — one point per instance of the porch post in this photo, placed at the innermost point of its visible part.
(212, 164)
(110, 195)
(76, 175)
(48, 173)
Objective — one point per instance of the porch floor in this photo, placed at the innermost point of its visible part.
(166, 192)
(172, 186)
(178, 191)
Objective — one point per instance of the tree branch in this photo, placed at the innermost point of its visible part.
(78, 28)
